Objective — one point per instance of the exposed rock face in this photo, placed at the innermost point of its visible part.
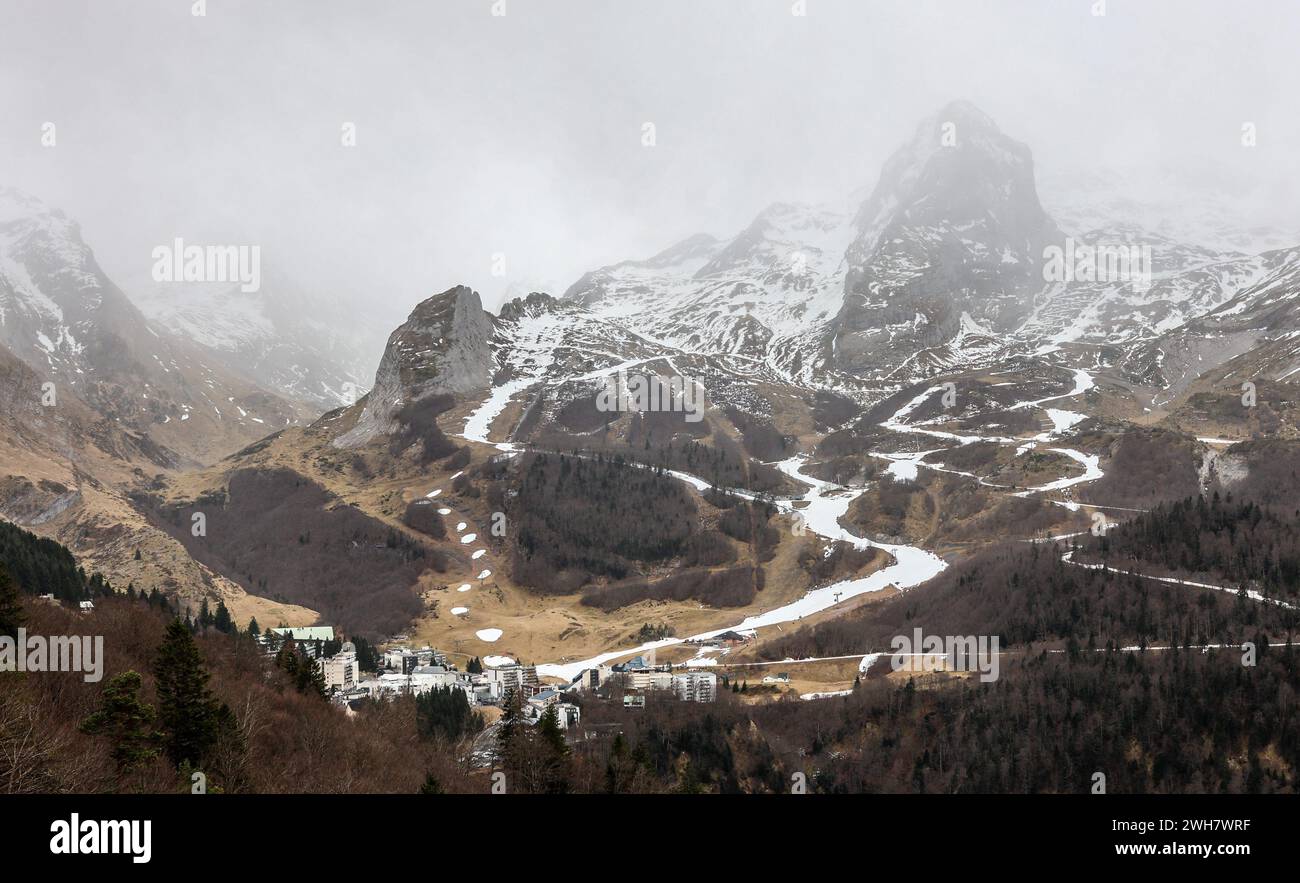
(58, 311)
(768, 294)
(934, 268)
(953, 226)
(443, 347)
(534, 304)
(62, 316)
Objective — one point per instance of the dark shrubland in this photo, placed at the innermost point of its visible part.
(418, 422)
(708, 549)
(458, 460)
(1147, 466)
(760, 438)
(422, 515)
(732, 587)
(581, 415)
(284, 536)
(841, 561)
(1272, 473)
(831, 410)
(749, 522)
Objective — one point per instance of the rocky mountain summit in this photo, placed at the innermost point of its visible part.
(444, 346)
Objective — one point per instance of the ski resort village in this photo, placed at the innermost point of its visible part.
(488, 683)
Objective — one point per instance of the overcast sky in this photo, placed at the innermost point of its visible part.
(522, 134)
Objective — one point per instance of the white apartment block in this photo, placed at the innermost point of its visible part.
(341, 670)
(696, 686)
(514, 677)
(649, 680)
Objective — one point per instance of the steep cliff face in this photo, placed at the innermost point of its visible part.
(953, 227)
(945, 253)
(67, 320)
(443, 347)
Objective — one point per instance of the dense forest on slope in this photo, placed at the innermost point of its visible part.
(1025, 593)
(1167, 722)
(273, 737)
(580, 518)
(1219, 541)
(256, 723)
(665, 439)
(43, 567)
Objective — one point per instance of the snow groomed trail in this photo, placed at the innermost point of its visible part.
(1253, 595)
(820, 508)
(904, 465)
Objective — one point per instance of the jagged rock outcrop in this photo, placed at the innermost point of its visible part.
(953, 227)
(534, 304)
(443, 347)
(945, 253)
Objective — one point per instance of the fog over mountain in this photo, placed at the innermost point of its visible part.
(515, 142)
(849, 397)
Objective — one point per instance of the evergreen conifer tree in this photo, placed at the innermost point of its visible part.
(126, 721)
(187, 710)
(11, 608)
